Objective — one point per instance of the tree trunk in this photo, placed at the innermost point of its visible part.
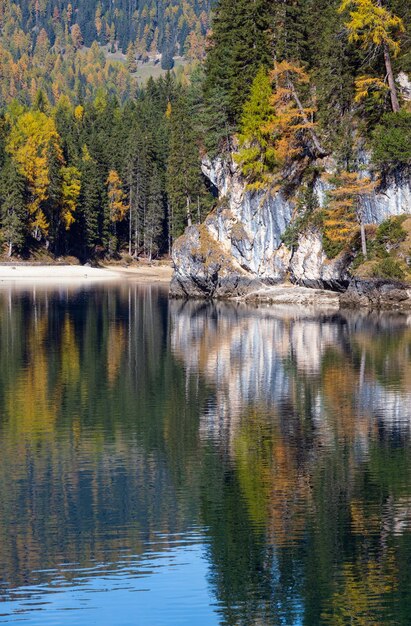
(320, 150)
(169, 228)
(188, 212)
(136, 228)
(10, 252)
(144, 228)
(130, 229)
(391, 82)
(363, 239)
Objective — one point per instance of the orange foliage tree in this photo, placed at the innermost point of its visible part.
(345, 208)
(276, 128)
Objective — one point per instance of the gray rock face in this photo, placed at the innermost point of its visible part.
(377, 293)
(309, 265)
(239, 246)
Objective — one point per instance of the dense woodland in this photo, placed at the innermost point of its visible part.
(152, 27)
(94, 163)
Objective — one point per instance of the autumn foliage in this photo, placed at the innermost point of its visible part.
(343, 214)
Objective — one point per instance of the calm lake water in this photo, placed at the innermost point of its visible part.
(169, 463)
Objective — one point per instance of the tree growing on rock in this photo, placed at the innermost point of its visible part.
(257, 154)
(344, 212)
(376, 29)
(277, 130)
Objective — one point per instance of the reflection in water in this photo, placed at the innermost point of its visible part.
(311, 417)
(243, 466)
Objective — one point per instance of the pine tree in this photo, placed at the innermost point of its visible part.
(32, 139)
(277, 130)
(13, 208)
(344, 211)
(52, 204)
(183, 172)
(77, 36)
(293, 128)
(70, 192)
(117, 205)
(91, 203)
(155, 213)
(131, 58)
(240, 44)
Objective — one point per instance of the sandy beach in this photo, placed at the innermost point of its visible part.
(143, 273)
(79, 274)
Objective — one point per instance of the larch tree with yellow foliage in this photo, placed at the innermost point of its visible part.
(376, 29)
(70, 192)
(33, 137)
(117, 201)
(344, 212)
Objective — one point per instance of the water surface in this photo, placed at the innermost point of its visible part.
(184, 463)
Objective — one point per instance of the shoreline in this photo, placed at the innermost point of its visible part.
(361, 294)
(38, 274)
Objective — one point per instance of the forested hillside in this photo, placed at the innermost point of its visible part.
(151, 27)
(91, 162)
(95, 163)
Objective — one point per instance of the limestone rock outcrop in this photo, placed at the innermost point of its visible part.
(239, 249)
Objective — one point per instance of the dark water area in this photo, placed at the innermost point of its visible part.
(169, 463)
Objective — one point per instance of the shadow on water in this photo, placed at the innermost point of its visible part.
(240, 465)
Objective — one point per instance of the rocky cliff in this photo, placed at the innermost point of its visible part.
(239, 249)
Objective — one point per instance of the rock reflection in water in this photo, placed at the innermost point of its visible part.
(312, 414)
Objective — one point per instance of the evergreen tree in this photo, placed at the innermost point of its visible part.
(131, 58)
(375, 27)
(52, 205)
(183, 172)
(345, 210)
(91, 203)
(155, 214)
(240, 45)
(13, 211)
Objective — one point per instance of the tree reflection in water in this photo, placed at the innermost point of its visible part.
(281, 436)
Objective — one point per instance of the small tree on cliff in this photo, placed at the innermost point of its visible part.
(375, 28)
(345, 209)
(276, 128)
(257, 153)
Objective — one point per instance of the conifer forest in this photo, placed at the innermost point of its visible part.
(96, 161)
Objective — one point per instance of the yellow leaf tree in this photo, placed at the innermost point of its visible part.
(70, 191)
(345, 208)
(33, 136)
(116, 199)
(375, 27)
